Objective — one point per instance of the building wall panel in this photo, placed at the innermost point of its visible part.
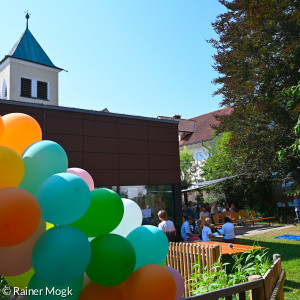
(115, 149)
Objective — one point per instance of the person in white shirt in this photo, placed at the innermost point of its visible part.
(206, 231)
(214, 210)
(204, 213)
(165, 225)
(227, 230)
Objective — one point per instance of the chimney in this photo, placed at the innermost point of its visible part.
(177, 117)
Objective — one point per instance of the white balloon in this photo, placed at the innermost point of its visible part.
(132, 218)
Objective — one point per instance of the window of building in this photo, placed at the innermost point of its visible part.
(151, 199)
(25, 87)
(34, 89)
(4, 90)
(201, 155)
(42, 90)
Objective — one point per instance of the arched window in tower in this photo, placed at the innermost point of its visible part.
(4, 90)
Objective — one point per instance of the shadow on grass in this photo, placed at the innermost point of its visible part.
(289, 285)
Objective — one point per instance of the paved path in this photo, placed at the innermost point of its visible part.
(258, 229)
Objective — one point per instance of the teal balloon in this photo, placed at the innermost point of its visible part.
(61, 255)
(112, 260)
(64, 198)
(151, 245)
(50, 291)
(42, 159)
(104, 214)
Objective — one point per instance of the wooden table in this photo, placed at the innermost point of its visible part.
(225, 250)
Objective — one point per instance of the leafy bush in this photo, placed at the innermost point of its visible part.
(3, 283)
(254, 262)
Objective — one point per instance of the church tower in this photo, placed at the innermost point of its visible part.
(27, 74)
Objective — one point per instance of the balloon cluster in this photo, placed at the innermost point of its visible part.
(96, 247)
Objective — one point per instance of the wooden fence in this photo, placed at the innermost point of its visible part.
(269, 287)
(183, 256)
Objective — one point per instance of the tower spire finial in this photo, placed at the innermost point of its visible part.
(27, 16)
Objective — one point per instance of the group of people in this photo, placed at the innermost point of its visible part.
(191, 233)
(197, 211)
(192, 229)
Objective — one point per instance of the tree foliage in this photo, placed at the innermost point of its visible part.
(189, 167)
(257, 57)
(294, 93)
(220, 162)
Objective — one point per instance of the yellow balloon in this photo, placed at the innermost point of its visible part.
(11, 168)
(1, 127)
(20, 131)
(49, 225)
(20, 281)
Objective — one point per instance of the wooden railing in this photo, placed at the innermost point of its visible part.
(183, 256)
(269, 287)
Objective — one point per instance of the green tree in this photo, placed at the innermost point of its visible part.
(257, 57)
(189, 167)
(294, 93)
(220, 162)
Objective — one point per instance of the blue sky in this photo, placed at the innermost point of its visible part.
(138, 57)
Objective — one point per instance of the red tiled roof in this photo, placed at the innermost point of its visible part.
(186, 126)
(203, 129)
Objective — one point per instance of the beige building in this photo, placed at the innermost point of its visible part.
(27, 74)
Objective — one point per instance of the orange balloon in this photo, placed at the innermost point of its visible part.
(20, 131)
(11, 168)
(150, 282)
(18, 258)
(99, 292)
(1, 127)
(20, 215)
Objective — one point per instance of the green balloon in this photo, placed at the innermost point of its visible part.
(112, 260)
(42, 160)
(20, 281)
(49, 291)
(104, 214)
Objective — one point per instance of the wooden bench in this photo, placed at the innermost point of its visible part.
(255, 219)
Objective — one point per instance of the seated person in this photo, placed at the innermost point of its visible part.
(227, 230)
(214, 209)
(206, 231)
(204, 213)
(186, 232)
(165, 225)
(220, 208)
(190, 210)
(207, 207)
(198, 228)
(232, 207)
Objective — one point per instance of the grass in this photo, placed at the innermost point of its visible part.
(290, 255)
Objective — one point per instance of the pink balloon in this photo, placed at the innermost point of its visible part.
(16, 260)
(84, 175)
(179, 282)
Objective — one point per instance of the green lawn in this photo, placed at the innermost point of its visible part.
(290, 254)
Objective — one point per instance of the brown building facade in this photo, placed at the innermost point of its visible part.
(117, 150)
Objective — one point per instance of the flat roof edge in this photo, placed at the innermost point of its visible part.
(81, 110)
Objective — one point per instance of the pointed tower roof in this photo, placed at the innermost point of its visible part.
(27, 48)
